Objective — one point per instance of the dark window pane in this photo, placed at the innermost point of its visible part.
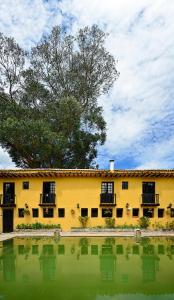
(84, 250)
(161, 249)
(49, 187)
(135, 249)
(9, 188)
(35, 212)
(124, 185)
(172, 249)
(107, 249)
(135, 212)
(94, 212)
(149, 187)
(149, 249)
(21, 212)
(48, 250)
(104, 187)
(61, 249)
(148, 212)
(21, 249)
(9, 192)
(119, 249)
(48, 212)
(160, 212)
(25, 185)
(34, 249)
(119, 212)
(61, 212)
(107, 187)
(172, 213)
(84, 212)
(94, 249)
(106, 212)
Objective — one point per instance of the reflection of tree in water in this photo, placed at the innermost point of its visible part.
(150, 263)
(35, 249)
(48, 262)
(110, 241)
(83, 243)
(24, 250)
(170, 251)
(107, 262)
(8, 258)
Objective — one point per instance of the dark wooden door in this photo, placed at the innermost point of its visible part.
(7, 220)
(148, 187)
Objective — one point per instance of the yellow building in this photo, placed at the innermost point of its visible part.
(57, 196)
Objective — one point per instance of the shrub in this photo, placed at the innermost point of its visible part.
(170, 225)
(144, 222)
(83, 221)
(158, 226)
(37, 226)
(83, 241)
(110, 222)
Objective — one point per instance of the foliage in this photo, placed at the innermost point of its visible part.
(49, 115)
(38, 225)
(124, 226)
(83, 242)
(158, 226)
(110, 222)
(169, 225)
(110, 241)
(83, 221)
(26, 211)
(145, 241)
(144, 222)
(127, 226)
(107, 212)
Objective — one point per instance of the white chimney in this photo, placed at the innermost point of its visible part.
(111, 164)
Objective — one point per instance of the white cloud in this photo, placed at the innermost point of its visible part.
(139, 109)
(5, 161)
(27, 20)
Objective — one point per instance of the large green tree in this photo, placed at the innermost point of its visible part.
(49, 115)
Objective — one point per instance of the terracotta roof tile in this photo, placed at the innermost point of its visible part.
(84, 173)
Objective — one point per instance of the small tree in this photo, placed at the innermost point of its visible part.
(110, 222)
(144, 222)
(83, 221)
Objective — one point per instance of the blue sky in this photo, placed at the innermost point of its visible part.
(139, 109)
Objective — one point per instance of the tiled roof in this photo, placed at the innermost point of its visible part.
(83, 173)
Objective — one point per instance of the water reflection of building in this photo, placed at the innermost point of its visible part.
(150, 263)
(8, 261)
(48, 262)
(105, 267)
(107, 263)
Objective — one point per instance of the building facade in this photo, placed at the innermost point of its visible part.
(54, 196)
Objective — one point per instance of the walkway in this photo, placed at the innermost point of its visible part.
(11, 235)
(52, 233)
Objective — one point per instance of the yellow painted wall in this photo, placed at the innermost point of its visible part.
(86, 191)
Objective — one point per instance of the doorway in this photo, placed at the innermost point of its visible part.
(7, 220)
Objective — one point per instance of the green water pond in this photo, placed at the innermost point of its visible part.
(87, 268)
